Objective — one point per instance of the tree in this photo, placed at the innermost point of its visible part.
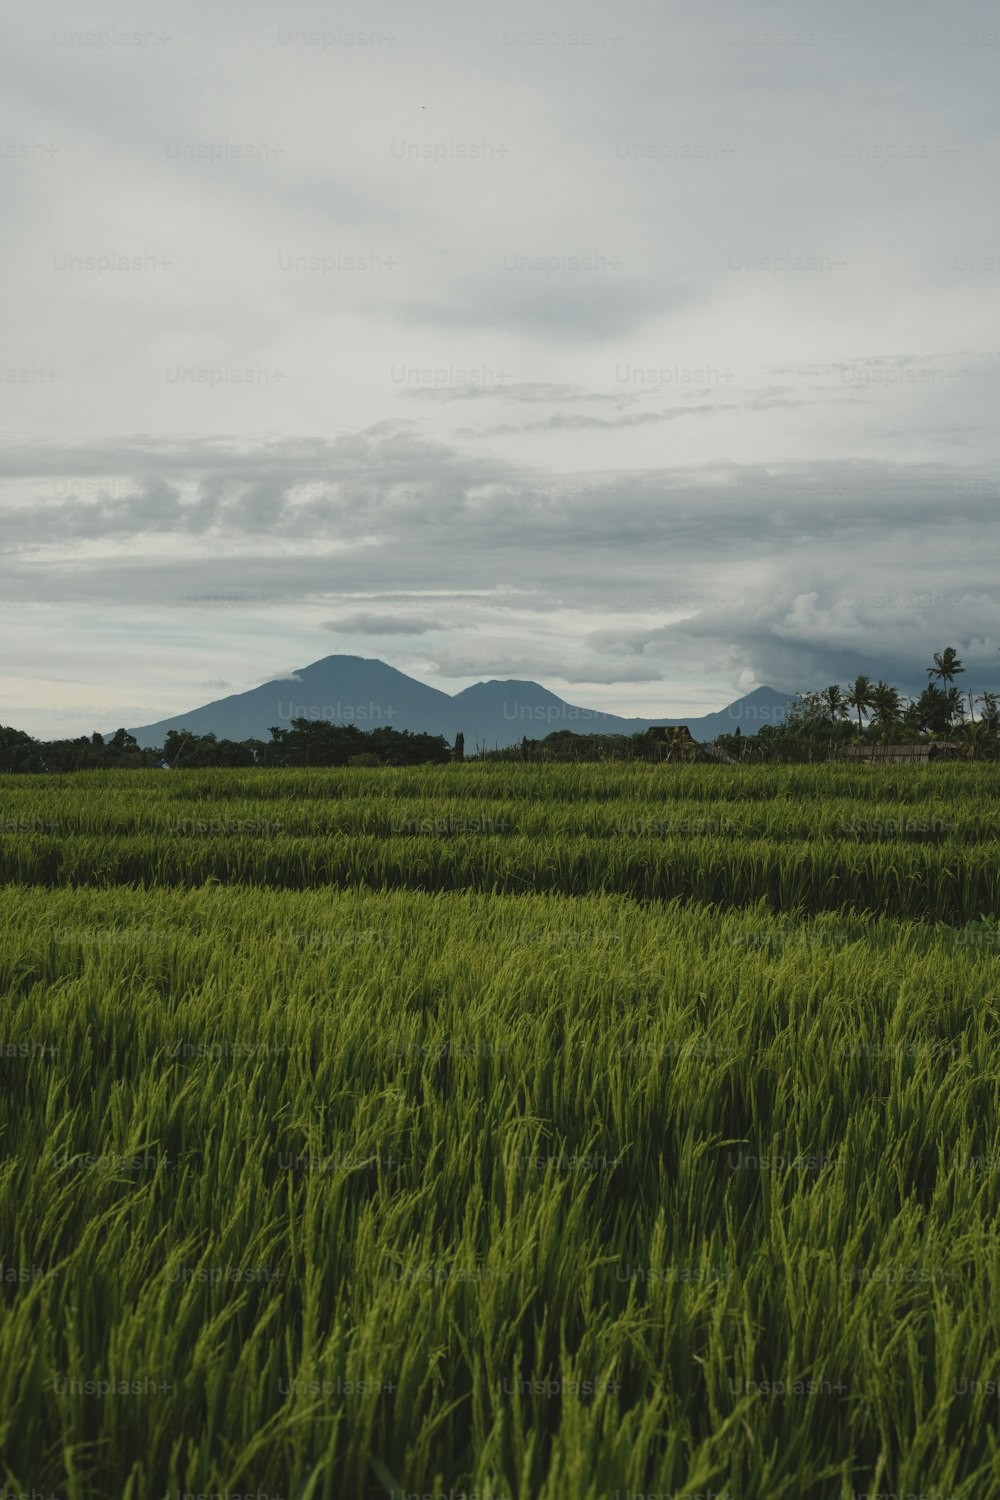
(18, 751)
(933, 710)
(887, 704)
(990, 716)
(946, 665)
(175, 745)
(122, 752)
(315, 742)
(982, 735)
(673, 744)
(121, 741)
(977, 739)
(832, 699)
(459, 751)
(861, 697)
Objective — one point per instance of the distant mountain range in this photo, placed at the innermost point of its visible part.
(370, 694)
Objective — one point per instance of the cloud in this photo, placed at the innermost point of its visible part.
(576, 421)
(579, 306)
(542, 665)
(530, 393)
(379, 624)
(791, 638)
(563, 243)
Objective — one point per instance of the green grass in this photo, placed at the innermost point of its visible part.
(355, 1149)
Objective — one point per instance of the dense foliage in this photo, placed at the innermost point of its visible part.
(821, 725)
(307, 742)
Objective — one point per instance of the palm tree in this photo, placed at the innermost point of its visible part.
(832, 699)
(679, 745)
(946, 665)
(976, 739)
(887, 704)
(991, 710)
(861, 697)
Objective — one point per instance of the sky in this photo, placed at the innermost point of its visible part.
(650, 351)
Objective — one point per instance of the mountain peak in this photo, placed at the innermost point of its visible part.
(372, 694)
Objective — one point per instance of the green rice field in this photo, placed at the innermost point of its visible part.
(509, 1131)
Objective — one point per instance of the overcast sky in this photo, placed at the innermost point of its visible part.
(650, 350)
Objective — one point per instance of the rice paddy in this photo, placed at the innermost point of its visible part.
(508, 1131)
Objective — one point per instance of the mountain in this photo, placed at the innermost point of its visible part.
(356, 690)
(502, 712)
(342, 689)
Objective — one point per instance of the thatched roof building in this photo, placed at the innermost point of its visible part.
(897, 755)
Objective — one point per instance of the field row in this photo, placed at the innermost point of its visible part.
(77, 811)
(549, 785)
(540, 1196)
(906, 878)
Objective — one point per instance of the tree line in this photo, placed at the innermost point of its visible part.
(821, 725)
(305, 742)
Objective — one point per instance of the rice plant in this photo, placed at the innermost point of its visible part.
(559, 1159)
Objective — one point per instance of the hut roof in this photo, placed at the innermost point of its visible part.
(712, 752)
(928, 750)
